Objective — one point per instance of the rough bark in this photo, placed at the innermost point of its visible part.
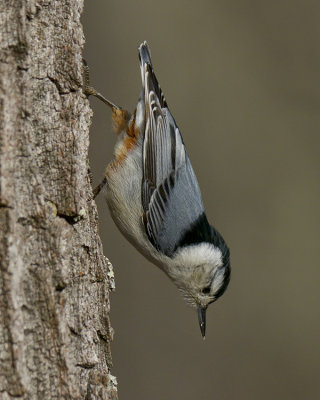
(55, 331)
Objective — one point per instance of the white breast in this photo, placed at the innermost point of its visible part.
(123, 195)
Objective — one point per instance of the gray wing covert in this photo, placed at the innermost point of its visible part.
(171, 196)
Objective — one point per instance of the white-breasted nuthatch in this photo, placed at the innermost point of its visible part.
(154, 197)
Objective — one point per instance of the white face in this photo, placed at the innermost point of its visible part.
(198, 272)
(200, 287)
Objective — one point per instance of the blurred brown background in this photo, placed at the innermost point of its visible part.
(242, 80)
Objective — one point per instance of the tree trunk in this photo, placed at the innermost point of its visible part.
(55, 331)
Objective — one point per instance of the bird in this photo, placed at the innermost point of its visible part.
(154, 197)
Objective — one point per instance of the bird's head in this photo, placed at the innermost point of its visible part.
(202, 274)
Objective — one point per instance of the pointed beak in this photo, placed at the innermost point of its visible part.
(202, 320)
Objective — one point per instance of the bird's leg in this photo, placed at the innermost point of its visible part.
(89, 90)
(120, 116)
(98, 188)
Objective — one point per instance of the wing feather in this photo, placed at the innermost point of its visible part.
(171, 197)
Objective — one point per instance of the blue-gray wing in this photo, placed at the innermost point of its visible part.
(171, 196)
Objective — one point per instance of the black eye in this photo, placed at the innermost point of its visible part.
(206, 290)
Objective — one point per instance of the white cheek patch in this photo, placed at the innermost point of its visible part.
(218, 280)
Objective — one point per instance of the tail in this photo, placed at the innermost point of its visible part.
(148, 74)
(144, 55)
